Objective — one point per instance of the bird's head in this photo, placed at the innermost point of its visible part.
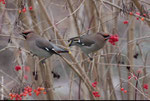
(26, 33)
(105, 35)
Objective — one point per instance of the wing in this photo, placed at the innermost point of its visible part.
(86, 41)
(45, 45)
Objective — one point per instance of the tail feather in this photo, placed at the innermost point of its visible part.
(65, 51)
(70, 44)
(59, 49)
(71, 40)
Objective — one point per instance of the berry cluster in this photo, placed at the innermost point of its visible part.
(25, 9)
(134, 76)
(27, 91)
(95, 93)
(27, 69)
(122, 89)
(3, 1)
(18, 68)
(145, 86)
(126, 22)
(137, 13)
(113, 39)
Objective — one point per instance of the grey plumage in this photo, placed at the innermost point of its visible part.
(90, 43)
(40, 46)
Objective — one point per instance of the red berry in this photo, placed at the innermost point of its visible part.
(35, 90)
(20, 98)
(10, 94)
(37, 93)
(95, 92)
(44, 93)
(17, 68)
(24, 10)
(25, 77)
(137, 13)
(11, 98)
(21, 94)
(125, 22)
(39, 89)
(4, 2)
(27, 68)
(93, 85)
(142, 19)
(30, 94)
(19, 11)
(13, 95)
(145, 86)
(30, 7)
(30, 90)
(137, 18)
(113, 39)
(24, 94)
(125, 91)
(131, 13)
(129, 77)
(122, 89)
(144, 15)
(97, 95)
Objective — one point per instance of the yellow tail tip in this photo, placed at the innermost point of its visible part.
(69, 52)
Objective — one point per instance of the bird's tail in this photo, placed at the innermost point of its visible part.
(72, 41)
(59, 50)
(62, 51)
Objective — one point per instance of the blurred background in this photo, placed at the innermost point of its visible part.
(121, 71)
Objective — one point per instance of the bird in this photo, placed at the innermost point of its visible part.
(89, 43)
(39, 46)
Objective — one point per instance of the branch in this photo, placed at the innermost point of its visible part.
(118, 7)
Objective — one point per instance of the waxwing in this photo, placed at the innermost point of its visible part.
(89, 43)
(40, 46)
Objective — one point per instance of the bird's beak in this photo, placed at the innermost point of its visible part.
(25, 33)
(106, 38)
